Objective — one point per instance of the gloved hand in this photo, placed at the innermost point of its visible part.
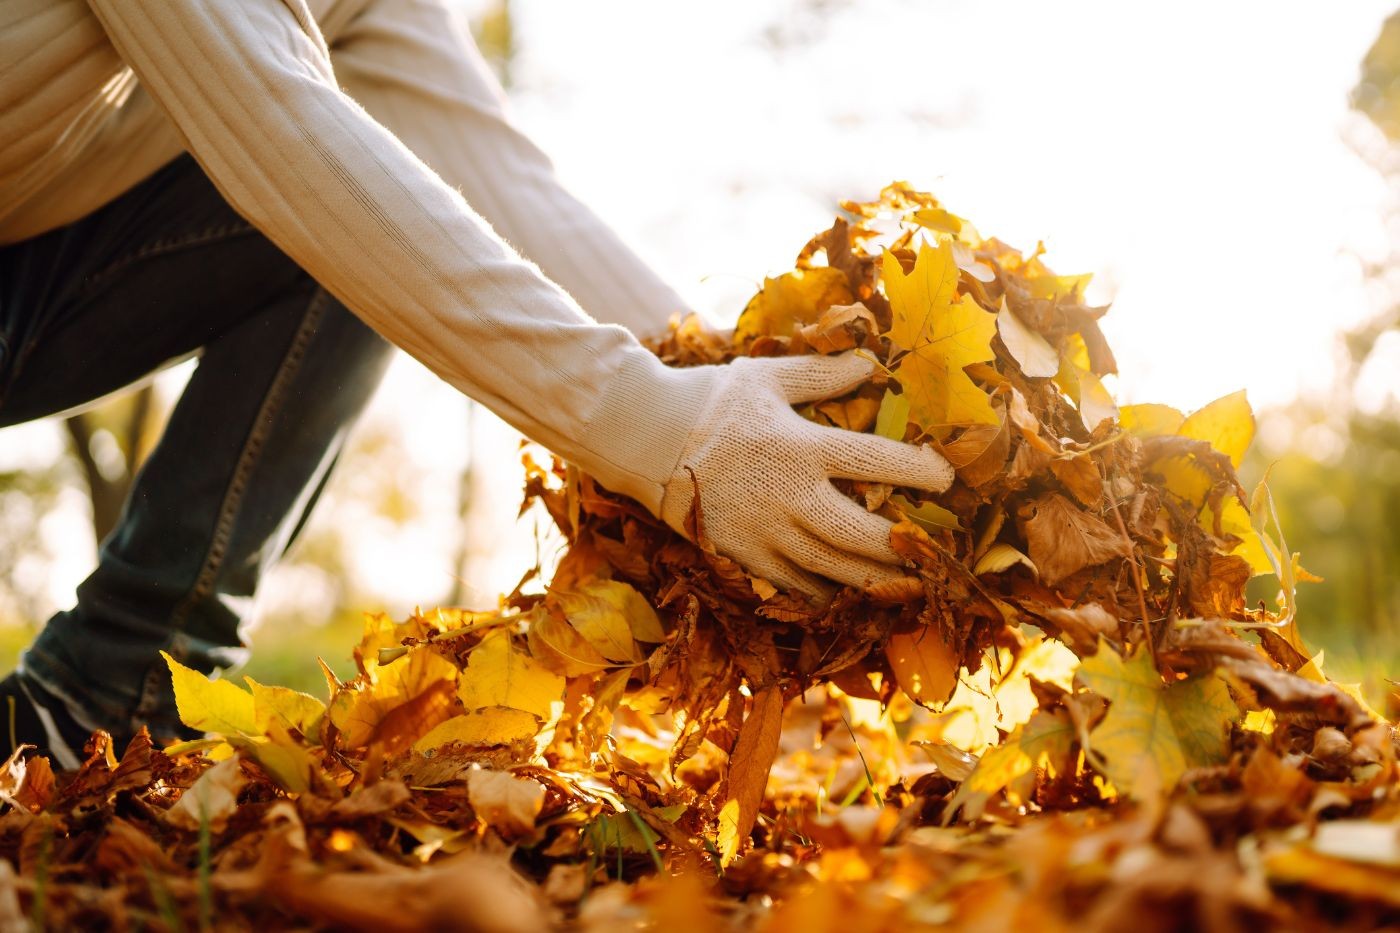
(764, 475)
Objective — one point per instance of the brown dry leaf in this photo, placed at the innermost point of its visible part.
(924, 665)
(1081, 627)
(748, 771)
(840, 327)
(505, 801)
(1081, 477)
(1064, 539)
(376, 800)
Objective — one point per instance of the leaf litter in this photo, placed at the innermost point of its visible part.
(1067, 716)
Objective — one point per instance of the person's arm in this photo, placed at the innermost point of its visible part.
(415, 70)
(250, 87)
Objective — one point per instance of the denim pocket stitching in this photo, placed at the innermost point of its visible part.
(163, 247)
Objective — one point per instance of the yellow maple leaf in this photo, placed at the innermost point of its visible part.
(942, 336)
(1155, 731)
(211, 705)
(499, 674)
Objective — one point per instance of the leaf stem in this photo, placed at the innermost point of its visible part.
(1137, 580)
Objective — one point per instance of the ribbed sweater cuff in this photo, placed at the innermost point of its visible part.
(643, 426)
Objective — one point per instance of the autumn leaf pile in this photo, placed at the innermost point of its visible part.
(1066, 717)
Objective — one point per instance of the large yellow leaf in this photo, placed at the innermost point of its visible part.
(499, 674)
(1235, 520)
(558, 645)
(925, 666)
(1227, 424)
(494, 725)
(795, 298)
(211, 705)
(415, 692)
(291, 708)
(942, 336)
(612, 616)
(1150, 419)
(1155, 731)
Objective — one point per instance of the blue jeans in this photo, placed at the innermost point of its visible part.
(167, 270)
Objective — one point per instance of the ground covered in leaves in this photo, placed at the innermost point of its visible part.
(1066, 717)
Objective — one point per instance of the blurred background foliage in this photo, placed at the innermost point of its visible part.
(1333, 459)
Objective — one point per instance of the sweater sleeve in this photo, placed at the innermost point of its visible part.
(416, 70)
(250, 87)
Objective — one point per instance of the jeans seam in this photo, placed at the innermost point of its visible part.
(233, 494)
(164, 246)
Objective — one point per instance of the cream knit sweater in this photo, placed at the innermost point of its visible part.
(367, 139)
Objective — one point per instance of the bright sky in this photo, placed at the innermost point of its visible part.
(1193, 155)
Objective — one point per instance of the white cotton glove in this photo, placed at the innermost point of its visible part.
(764, 475)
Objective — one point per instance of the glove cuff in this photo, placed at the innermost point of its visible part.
(643, 425)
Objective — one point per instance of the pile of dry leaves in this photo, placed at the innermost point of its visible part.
(1068, 716)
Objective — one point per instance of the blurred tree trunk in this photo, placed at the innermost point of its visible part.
(110, 442)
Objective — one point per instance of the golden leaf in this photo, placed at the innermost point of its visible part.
(1227, 424)
(290, 708)
(790, 301)
(942, 337)
(924, 665)
(373, 712)
(496, 725)
(610, 615)
(211, 705)
(1150, 419)
(499, 674)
